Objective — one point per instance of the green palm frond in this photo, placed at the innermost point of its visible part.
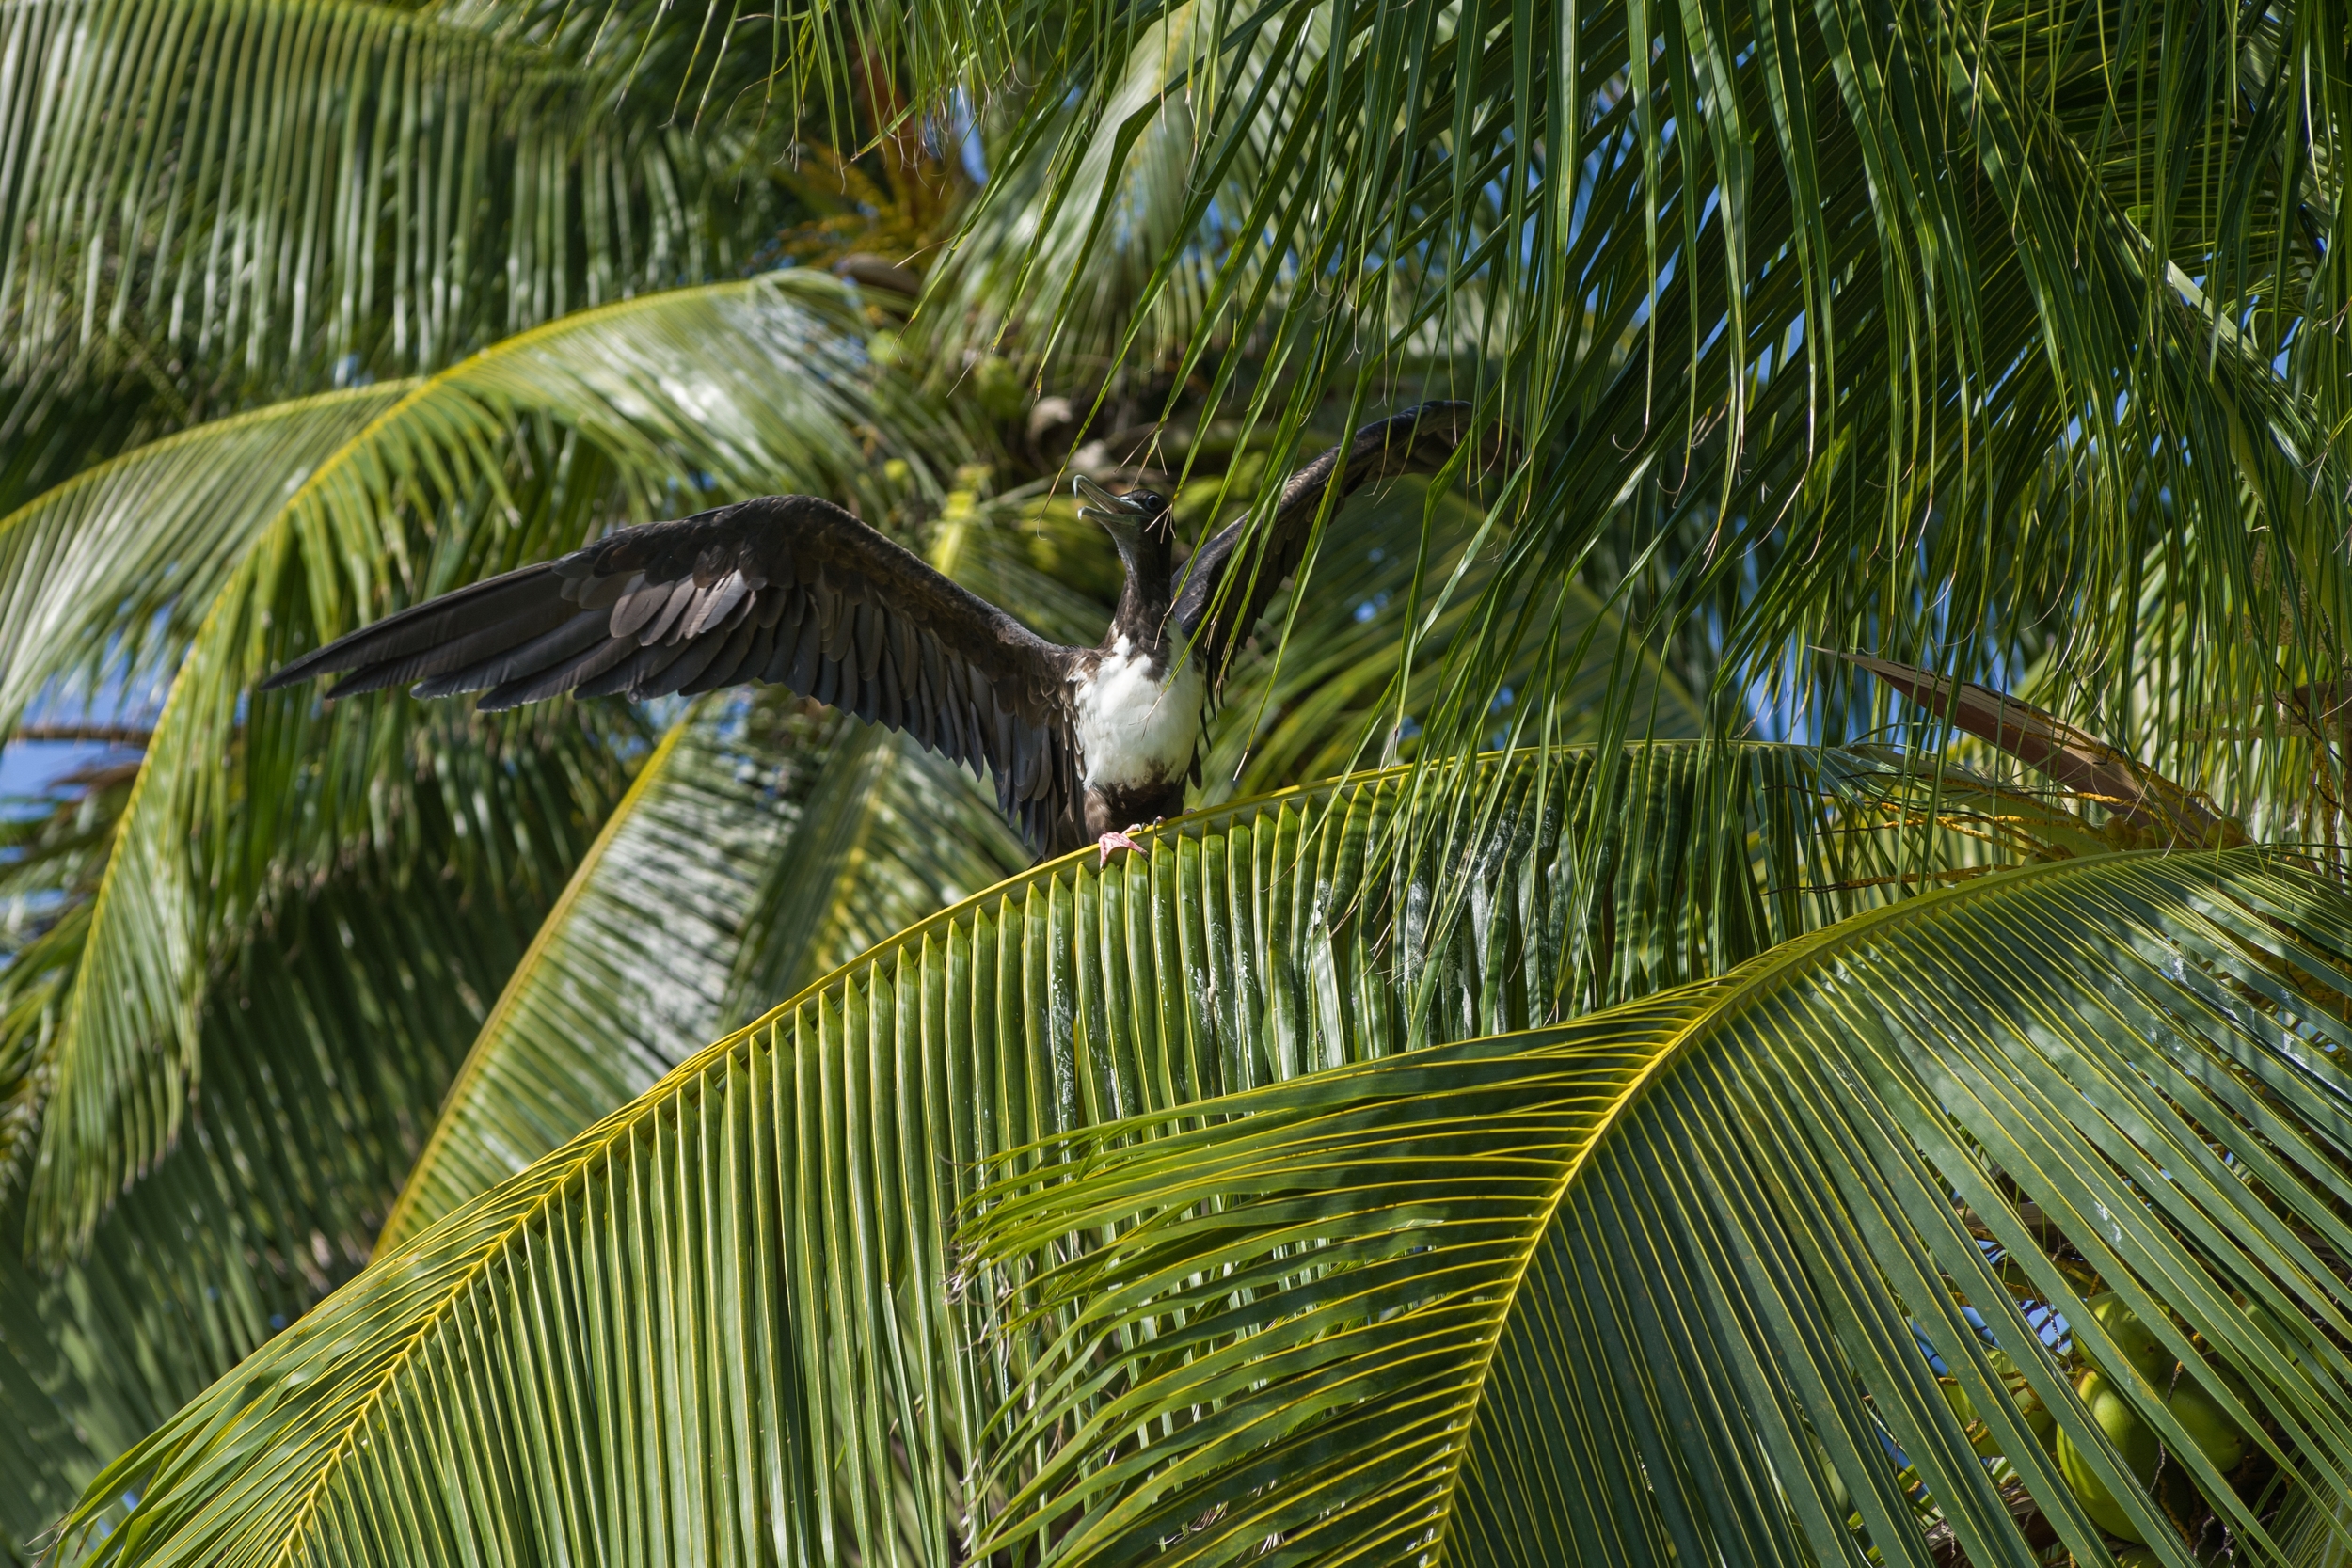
(1340, 653)
(326, 1043)
(511, 455)
(1064, 254)
(2272, 744)
(110, 573)
(53, 851)
(1896, 330)
(231, 192)
(890, 835)
(716, 1325)
(720, 881)
(1664, 1283)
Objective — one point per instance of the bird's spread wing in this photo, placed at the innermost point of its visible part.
(1230, 581)
(787, 589)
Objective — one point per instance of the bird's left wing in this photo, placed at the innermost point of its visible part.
(1225, 587)
(787, 589)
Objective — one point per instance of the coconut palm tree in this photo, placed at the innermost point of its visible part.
(1600, 1073)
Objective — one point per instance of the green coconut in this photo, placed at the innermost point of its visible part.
(2220, 1438)
(2132, 1439)
(2134, 1338)
(2214, 1433)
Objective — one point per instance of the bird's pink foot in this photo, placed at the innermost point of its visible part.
(1111, 840)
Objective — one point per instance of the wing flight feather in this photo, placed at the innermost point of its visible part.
(1225, 587)
(789, 589)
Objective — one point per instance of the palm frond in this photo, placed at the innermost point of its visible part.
(516, 453)
(1888, 330)
(1342, 653)
(624, 979)
(716, 1325)
(232, 193)
(1689, 1277)
(889, 835)
(1076, 262)
(108, 575)
(326, 1043)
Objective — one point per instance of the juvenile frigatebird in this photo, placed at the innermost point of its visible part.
(794, 590)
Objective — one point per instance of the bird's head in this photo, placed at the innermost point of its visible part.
(1138, 520)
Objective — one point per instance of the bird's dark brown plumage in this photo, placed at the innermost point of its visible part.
(1213, 613)
(794, 590)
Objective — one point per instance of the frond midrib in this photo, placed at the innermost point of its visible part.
(233, 592)
(1735, 992)
(390, 1234)
(97, 473)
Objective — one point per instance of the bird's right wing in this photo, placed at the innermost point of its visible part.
(789, 589)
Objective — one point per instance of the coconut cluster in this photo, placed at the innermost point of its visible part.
(2139, 1354)
(2129, 1351)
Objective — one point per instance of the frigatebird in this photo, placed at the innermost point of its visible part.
(794, 590)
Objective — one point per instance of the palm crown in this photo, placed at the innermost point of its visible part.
(1599, 1073)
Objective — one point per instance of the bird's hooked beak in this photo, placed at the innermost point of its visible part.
(1129, 519)
(1119, 514)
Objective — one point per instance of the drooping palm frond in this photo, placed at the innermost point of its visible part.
(1341, 652)
(516, 453)
(1925, 333)
(237, 193)
(716, 1325)
(109, 574)
(1666, 1282)
(325, 1045)
(2271, 751)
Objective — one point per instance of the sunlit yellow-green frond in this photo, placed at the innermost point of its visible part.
(1763, 1267)
(718, 1324)
(510, 456)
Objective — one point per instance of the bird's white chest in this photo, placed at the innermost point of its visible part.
(1135, 730)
